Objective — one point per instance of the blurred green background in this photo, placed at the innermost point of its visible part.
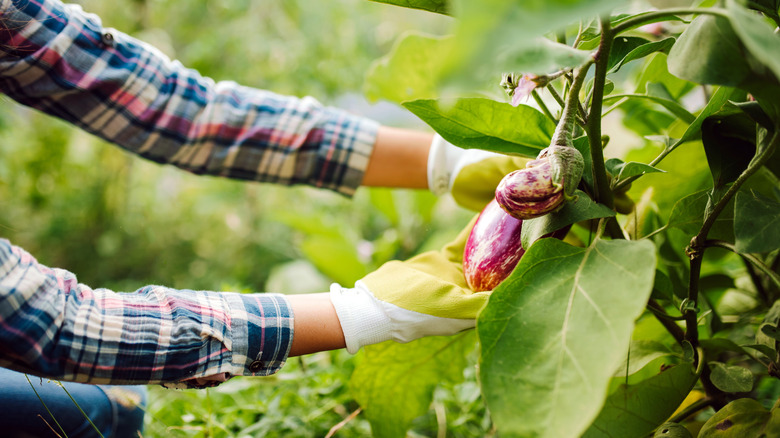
(120, 222)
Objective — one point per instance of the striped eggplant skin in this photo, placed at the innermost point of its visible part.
(493, 248)
(528, 193)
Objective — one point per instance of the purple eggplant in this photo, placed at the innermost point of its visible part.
(528, 193)
(493, 248)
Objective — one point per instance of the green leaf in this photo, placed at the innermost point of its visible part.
(729, 143)
(636, 410)
(769, 324)
(334, 256)
(754, 111)
(672, 106)
(394, 383)
(663, 289)
(541, 56)
(741, 418)
(382, 199)
(757, 35)
(709, 52)
(756, 223)
(731, 378)
(641, 353)
(672, 430)
(656, 71)
(622, 170)
(688, 215)
(637, 48)
(763, 349)
(410, 71)
(438, 6)
(500, 35)
(536, 333)
(580, 209)
(487, 124)
(719, 98)
(770, 331)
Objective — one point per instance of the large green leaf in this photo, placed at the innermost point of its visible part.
(555, 331)
(757, 35)
(636, 410)
(756, 223)
(487, 124)
(708, 52)
(580, 209)
(410, 71)
(500, 35)
(742, 418)
(439, 6)
(394, 383)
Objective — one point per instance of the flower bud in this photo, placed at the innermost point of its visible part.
(528, 193)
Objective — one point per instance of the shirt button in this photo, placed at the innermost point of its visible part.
(108, 39)
(256, 366)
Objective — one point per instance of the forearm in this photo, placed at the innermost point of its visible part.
(317, 326)
(399, 159)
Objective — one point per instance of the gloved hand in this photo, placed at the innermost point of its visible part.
(426, 295)
(471, 175)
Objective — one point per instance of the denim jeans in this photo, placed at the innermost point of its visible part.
(117, 411)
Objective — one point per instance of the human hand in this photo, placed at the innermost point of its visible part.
(470, 175)
(426, 295)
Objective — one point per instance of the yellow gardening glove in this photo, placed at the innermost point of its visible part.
(470, 175)
(424, 296)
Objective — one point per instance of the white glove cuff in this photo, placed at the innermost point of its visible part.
(362, 318)
(442, 159)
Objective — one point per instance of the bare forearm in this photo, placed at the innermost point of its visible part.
(399, 159)
(317, 326)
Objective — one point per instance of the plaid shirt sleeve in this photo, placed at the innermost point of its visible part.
(60, 60)
(52, 326)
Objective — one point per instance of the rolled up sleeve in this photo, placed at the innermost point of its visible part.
(53, 326)
(62, 61)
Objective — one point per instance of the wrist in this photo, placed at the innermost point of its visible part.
(362, 318)
(442, 159)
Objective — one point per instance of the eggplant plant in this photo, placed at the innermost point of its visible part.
(658, 314)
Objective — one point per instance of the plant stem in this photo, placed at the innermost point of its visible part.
(600, 181)
(81, 410)
(555, 95)
(696, 253)
(655, 16)
(754, 261)
(565, 128)
(44, 406)
(543, 106)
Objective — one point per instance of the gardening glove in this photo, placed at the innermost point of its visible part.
(426, 295)
(470, 175)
